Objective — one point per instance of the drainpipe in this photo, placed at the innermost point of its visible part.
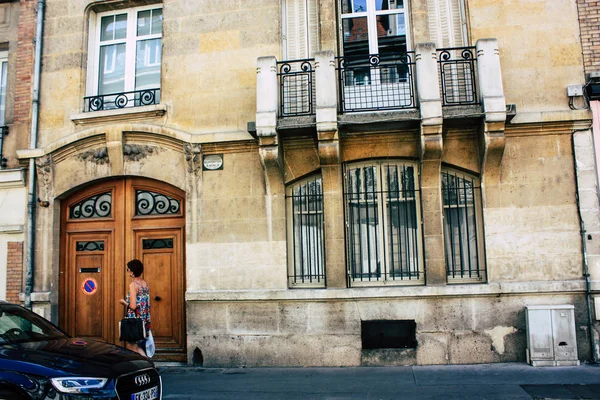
(37, 67)
(586, 271)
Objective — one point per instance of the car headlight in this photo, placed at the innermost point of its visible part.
(78, 384)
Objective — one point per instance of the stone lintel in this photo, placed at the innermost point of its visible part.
(118, 115)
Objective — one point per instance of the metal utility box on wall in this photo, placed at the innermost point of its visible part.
(551, 337)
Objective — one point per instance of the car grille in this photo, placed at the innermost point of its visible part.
(126, 384)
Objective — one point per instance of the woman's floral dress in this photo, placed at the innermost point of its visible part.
(143, 305)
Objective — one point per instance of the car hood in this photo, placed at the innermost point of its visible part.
(71, 356)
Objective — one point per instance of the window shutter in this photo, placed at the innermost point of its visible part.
(446, 23)
(301, 23)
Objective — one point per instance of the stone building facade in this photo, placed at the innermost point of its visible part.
(315, 182)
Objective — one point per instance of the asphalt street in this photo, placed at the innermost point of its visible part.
(484, 381)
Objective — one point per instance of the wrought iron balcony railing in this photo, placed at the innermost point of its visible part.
(376, 82)
(113, 101)
(296, 87)
(457, 69)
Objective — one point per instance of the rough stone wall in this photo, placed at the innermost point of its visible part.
(589, 18)
(449, 330)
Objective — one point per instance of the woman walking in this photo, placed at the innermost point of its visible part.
(137, 302)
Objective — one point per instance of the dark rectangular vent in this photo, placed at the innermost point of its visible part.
(382, 334)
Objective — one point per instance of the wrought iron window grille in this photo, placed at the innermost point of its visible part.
(152, 203)
(382, 223)
(306, 232)
(97, 206)
(457, 74)
(461, 195)
(376, 82)
(296, 87)
(112, 101)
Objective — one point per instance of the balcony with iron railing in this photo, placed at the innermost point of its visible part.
(378, 82)
(380, 91)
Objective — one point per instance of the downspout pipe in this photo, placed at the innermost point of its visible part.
(31, 175)
(586, 271)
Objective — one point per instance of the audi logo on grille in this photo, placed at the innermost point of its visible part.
(142, 380)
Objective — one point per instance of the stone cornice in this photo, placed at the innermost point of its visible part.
(398, 292)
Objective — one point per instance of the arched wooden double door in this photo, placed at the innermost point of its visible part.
(103, 227)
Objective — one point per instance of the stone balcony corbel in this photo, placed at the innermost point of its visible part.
(431, 153)
(430, 102)
(494, 107)
(266, 120)
(326, 110)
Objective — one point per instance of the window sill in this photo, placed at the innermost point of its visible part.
(122, 114)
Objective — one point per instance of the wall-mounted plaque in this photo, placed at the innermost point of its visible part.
(212, 162)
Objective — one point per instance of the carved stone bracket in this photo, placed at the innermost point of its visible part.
(98, 156)
(136, 152)
(432, 144)
(271, 158)
(492, 143)
(45, 173)
(329, 148)
(193, 157)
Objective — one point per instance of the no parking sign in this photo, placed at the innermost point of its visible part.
(89, 286)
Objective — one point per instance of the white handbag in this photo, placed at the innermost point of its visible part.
(150, 347)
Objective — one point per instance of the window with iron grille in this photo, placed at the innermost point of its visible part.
(383, 223)
(306, 242)
(463, 233)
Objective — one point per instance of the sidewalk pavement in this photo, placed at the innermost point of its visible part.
(480, 381)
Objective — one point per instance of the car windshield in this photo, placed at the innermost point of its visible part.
(18, 324)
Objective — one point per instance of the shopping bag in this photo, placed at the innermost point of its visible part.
(131, 329)
(150, 347)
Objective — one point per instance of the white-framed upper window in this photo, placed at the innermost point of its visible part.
(463, 227)
(374, 27)
(3, 77)
(125, 50)
(305, 230)
(383, 223)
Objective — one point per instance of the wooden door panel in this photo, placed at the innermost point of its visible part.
(160, 252)
(87, 304)
(88, 299)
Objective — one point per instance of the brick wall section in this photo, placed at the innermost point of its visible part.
(25, 55)
(589, 20)
(14, 271)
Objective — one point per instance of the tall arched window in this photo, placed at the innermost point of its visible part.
(463, 227)
(383, 223)
(306, 241)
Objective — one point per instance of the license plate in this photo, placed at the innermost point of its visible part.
(147, 394)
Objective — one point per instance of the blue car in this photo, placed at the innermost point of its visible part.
(39, 361)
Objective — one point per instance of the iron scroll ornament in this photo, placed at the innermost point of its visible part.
(152, 203)
(98, 206)
(466, 54)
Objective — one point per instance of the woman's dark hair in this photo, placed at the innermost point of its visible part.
(136, 267)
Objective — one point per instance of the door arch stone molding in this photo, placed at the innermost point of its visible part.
(112, 151)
